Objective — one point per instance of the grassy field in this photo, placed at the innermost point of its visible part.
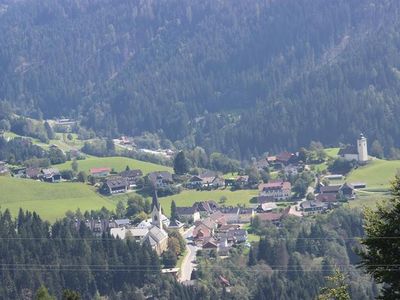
(377, 174)
(116, 163)
(187, 198)
(332, 152)
(368, 199)
(51, 201)
(60, 141)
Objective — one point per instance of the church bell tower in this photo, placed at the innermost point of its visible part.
(156, 211)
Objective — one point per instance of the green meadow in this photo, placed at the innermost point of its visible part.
(377, 174)
(50, 200)
(188, 197)
(116, 163)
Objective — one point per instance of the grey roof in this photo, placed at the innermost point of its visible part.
(131, 173)
(330, 189)
(116, 182)
(165, 175)
(157, 234)
(50, 171)
(121, 222)
(312, 203)
(186, 210)
(348, 150)
(175, 223)
(229, 210)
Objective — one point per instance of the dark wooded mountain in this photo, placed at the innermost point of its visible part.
(241, 77)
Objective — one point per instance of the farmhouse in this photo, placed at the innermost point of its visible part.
(131, 176)
(160, 179)
(51, 175)
(100, 172)
(189, 213)
(277, 189)
(344, 191)
(115, 185)
(313, 207)
(33, 173)
(206, 207)
(286, 158)
(272, 217)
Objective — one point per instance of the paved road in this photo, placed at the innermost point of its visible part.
(187, 264)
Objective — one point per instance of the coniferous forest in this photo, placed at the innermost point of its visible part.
(239, 77)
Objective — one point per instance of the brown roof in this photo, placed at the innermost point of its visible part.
(330, 189)
(269, 216)
(274, 185)
(329, 197)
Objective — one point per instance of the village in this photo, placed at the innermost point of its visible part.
(210, 227)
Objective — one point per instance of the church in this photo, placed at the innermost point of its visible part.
(151, 231)
(358, 153)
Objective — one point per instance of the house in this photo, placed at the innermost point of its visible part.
(206, 207)
(286, 158)
(344, 191)
(347, 191)
(131, 176)
(272, 217)
(242, 181)
(18, 172)
(231, 214)
(115, 185)
(278, 189)
(195, 182)
(160, 179)
(212, 182)
(51, 175)
(313, 207)
(209, 244)
(98, 227)
(189, 213)
(33, 173)
(100, 172)
(327, 198)
(204, 229)
(266, 207)
(358, 153)
(119, 223)
(175, 225)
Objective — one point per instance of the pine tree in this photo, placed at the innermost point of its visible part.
(382, 243)
(337, 288)
(181, 164)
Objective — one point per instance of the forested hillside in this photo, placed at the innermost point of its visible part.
(242, 77)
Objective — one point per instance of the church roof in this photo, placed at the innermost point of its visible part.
(157, 234)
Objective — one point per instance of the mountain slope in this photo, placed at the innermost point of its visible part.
(241, 77)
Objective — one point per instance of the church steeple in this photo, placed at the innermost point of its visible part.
(156, 211)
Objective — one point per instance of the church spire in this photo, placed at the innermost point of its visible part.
(155, 203)
(156, 214)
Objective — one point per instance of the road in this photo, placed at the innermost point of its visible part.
(187, 264)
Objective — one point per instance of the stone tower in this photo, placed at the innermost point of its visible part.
(156, 211)
(362, 148)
